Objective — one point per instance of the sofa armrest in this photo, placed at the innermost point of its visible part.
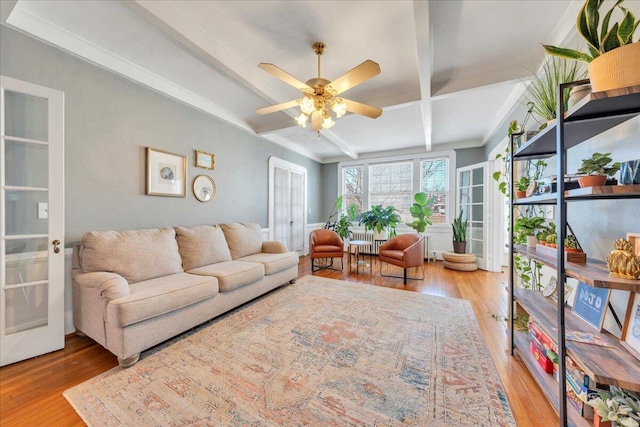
(109, 285)
(274, 247)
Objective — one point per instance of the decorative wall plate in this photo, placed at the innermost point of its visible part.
(204, 189)
(551, 287)
(531, 189)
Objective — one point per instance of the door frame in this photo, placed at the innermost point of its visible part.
(276, 162)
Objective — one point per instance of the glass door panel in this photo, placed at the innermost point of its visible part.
(32, 260)
(471, 201)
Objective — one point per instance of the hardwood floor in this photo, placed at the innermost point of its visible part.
(31, 391)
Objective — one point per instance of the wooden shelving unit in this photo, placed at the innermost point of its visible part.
(611, 364)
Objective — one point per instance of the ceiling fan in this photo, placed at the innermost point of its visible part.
(321, 95)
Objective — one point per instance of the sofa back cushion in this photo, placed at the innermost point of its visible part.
(136, 255)
(201, 245)
(243, 239)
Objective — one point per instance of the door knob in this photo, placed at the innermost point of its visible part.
(55, 243)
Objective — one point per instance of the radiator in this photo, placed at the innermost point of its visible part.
(373, 249)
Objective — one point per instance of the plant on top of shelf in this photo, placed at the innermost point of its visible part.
(542, 89)
(618, 405)
(381, 219)
(421, 212)
(599, 40)
(597, 168)
(609, 47)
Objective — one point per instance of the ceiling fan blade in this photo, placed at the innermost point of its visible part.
(278, 107)
(316, 121)
(363, 109)
(284, 76)
(359, 74)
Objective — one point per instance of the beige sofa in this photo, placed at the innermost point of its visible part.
(135, 289)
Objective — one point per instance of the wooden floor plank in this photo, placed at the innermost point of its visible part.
(31, 391)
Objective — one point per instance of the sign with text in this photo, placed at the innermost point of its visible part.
(591, 304)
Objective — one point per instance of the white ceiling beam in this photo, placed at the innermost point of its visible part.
(6, 6)
(423, 46)
(170, 20)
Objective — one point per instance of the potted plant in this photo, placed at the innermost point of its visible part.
(421, 212)
(618, 405)
(459, 234)
(344, 222)
(542, 89)
(610, 48)
(383, 221)
(521, 187)
(597, 168)
(524, 229)
(545, 232)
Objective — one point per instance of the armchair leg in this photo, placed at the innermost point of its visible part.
(404, 276)
(315, 267)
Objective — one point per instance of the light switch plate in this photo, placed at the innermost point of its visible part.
(43, 210)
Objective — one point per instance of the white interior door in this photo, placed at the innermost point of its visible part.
(31, 220)
(471, 200)
(287, 204)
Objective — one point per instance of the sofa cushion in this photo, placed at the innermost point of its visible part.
(243, 239)
(162, 295)
(136, 255)
(202, 245)
(232, 274)
(273, 263)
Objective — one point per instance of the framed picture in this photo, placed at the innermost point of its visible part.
(204, 189)
(205, 160)
(631, 330)
(591, 304)
(166, 174)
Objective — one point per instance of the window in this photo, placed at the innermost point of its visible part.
(352, 186)
(434, 180)
(394, 181)
(392, 184)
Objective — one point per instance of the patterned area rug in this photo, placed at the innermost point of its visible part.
(321, 352)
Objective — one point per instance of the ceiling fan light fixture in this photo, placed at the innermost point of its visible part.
(307, 105)
(340, 108)
(302, 120)
(327, 123)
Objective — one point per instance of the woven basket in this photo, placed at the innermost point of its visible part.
(616, 69)
(460, 266)
(459, 258)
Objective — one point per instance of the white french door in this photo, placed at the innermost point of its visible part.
(471, 201)
(287, 204)
(31, 220)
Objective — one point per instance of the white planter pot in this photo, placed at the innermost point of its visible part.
(383, 235)
(532, 241)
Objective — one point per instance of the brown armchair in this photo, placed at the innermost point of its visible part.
(325, 244)
(406, 251)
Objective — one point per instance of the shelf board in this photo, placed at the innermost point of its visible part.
(591, 116)
(594, 273)
(587, 193)
(612, 365)
(546, 382)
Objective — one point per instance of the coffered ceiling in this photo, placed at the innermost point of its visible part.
(451, 70)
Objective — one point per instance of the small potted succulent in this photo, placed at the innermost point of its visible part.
(596, 170)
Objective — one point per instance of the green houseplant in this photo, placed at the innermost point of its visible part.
(459, 234)
(542, 89)
(381, 220)
(343, 224)
(421, 212)
(524, 229)
(606, 44)
(597, 168)
(618, 405)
